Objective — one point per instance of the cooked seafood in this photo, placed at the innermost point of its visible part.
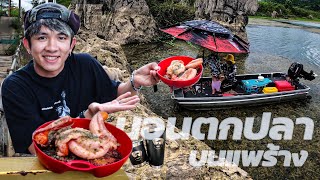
(97, 126)
(88, 148)
(63, 138)
(87, 144)
(176, 67)
(177, 70)
(91, 147)
(41, 135)
(194, 63)
(188, 74)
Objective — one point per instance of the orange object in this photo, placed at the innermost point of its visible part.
(104, 115)
(188, 74)
(41, 135)
(41, 138)
(195, 63)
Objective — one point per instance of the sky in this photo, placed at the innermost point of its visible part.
(25, 4)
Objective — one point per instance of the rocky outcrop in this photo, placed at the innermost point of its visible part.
(122, 21)
(231, 13)
(109, 53)
(274, 14)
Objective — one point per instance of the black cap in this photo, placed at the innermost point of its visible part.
(52, 11)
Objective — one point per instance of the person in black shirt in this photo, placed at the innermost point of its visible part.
(57, 82)
(229, 69)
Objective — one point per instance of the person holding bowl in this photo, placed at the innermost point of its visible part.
(58, 82)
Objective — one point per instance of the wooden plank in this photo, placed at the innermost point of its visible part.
(30, 168)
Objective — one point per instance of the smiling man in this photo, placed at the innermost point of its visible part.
(57, 82)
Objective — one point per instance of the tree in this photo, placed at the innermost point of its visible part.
(307, 4)
(35, 3)
(64, 2)
(288, 4)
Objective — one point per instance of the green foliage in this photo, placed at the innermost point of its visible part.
(14, 12)
(2, 13)
(11, 50)
(266, 8)
(16, 24)
(35, 3)
(313, 5)
(66, 3)
(168, 12)
(288, 4)
(285, 8)
(300, 12)
(63, 2)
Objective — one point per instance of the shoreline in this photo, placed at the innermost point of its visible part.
(267, 22)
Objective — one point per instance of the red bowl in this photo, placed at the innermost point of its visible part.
(57, 166)
(164, 64)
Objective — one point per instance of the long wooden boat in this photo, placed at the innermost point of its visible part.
(200, 97)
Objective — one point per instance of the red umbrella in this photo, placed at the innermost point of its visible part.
(210, 35)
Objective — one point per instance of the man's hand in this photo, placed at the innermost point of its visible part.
(146, 75)
(122, 103)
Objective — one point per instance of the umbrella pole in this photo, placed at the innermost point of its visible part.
(202, 53)
(215, 43)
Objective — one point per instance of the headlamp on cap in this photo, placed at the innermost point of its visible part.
(52, 11)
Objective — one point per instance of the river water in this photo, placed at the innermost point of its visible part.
(296, 44)
(272, 48)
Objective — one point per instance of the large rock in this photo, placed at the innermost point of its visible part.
(274, 14)
(231, 13)
(123, 21)
(109, 53)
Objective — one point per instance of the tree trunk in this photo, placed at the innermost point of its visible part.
(9, 9)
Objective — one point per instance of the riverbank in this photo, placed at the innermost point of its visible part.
(277, 23)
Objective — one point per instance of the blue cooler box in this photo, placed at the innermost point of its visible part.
(254, 85)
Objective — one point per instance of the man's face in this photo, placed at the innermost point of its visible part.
(49, 49)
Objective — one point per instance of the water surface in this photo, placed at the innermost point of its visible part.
(295, 44)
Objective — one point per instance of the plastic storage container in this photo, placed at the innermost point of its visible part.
(268, 90)
(255, 85)
(284, 86)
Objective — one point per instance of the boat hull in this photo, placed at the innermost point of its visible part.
(222, 102)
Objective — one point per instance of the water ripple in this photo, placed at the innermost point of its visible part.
(296, 44)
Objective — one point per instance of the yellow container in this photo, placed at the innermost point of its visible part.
(267, 90)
